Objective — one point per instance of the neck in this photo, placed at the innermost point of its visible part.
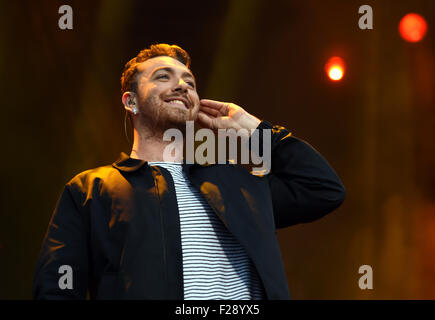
(150, 146)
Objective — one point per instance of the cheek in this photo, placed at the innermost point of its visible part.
(143, 92)
(195, 99)
(150, 90)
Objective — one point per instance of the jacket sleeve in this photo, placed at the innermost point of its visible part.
(303, 185)
(64, 244)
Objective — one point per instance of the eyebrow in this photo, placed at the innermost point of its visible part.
(170, 70)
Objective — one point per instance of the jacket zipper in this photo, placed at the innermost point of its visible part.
(162, 227)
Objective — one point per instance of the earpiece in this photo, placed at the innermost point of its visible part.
(131, 103)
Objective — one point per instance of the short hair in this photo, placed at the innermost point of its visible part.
(128, 78)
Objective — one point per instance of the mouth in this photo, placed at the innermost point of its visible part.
(178, 101)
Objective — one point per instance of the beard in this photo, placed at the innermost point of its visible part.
(159, 116)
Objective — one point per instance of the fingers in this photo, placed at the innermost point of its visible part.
(212, 103)
(205, 120)
(211, 111)
(222, 107)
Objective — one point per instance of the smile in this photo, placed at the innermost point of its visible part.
(178, 102)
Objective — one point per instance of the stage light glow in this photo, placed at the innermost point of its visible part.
(335, 68)
(412, 27)
(335, 73)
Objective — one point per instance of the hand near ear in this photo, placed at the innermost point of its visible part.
(224, 115)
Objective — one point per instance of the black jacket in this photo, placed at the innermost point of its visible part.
(117, 226)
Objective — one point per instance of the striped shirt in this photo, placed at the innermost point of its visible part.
(215, 265)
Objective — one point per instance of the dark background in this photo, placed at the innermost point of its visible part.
(62, 114)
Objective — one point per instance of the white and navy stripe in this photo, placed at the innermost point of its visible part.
(215, 265)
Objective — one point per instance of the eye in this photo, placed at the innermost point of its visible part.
(163, 76)
(190, 83)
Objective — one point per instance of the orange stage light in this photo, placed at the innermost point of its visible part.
(335, 68)
(412, 27)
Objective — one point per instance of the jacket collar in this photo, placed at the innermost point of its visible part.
(127, 164)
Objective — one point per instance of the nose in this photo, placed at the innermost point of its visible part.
(181, 86)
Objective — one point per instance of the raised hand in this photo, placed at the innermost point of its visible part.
(224, 115)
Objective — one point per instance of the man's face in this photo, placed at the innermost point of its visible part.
(166, 93)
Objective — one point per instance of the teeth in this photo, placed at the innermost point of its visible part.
(177, 102)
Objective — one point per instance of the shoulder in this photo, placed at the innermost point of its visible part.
(91, 178)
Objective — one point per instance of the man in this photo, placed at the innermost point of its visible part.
(145, 228)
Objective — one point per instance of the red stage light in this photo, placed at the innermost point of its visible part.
(412, 27)
(335, 68)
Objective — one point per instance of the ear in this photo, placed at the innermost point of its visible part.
(129, 101)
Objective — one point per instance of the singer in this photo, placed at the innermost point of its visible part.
(145, 228)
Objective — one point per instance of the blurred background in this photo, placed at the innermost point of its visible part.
(62, 114)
